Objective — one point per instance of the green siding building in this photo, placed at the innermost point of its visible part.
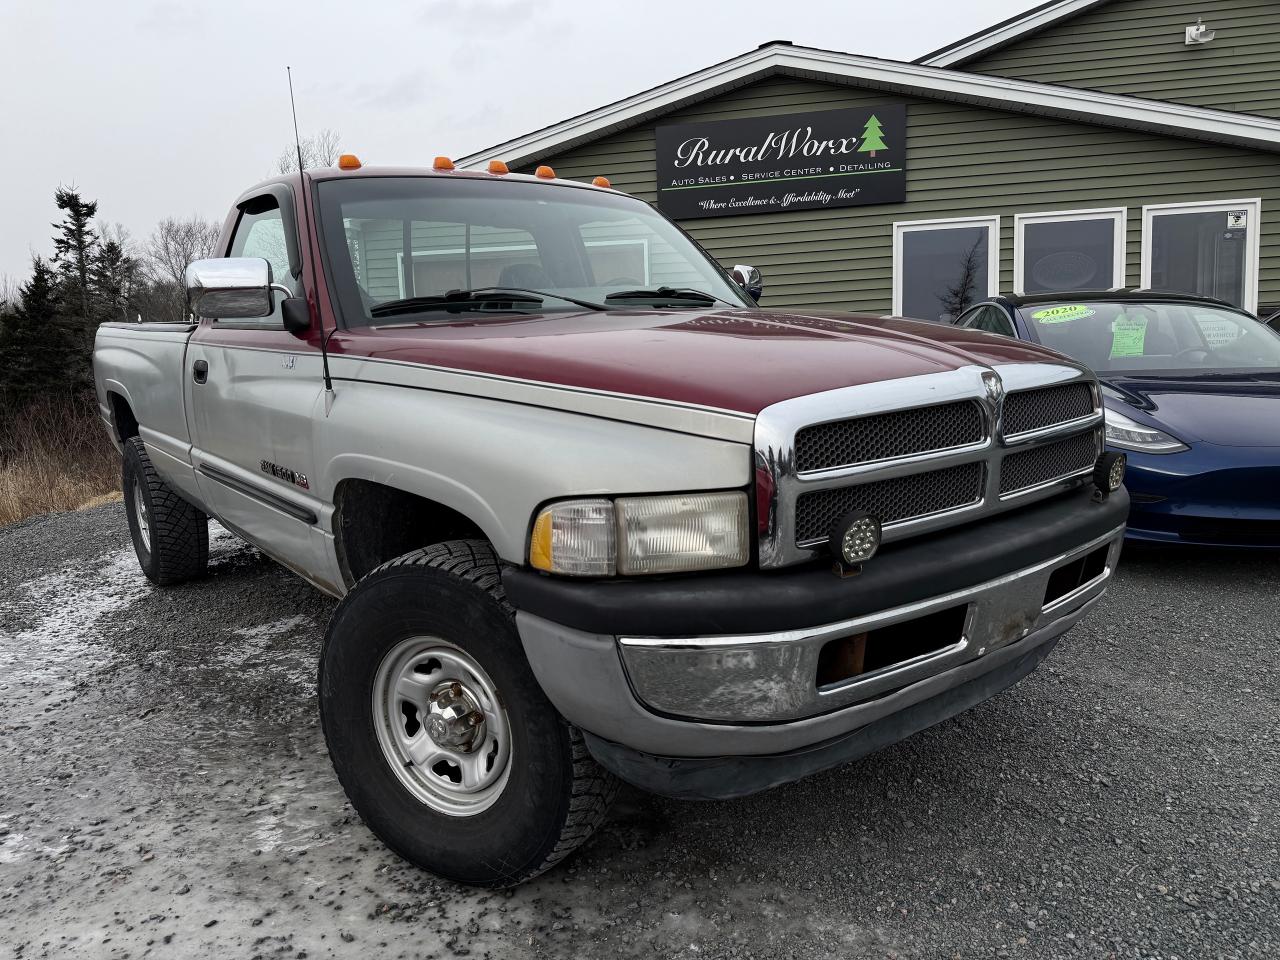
(1088, 144)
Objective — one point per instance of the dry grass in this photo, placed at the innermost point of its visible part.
(55, 455)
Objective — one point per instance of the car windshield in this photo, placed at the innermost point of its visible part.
(443, 249)
(1174, 337)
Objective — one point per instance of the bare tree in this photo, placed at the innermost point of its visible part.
(173, 245)
(318, 150)
(960, 294)
(9, 287)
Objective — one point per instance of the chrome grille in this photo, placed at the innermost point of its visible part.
(1030, 468)
(884, 436)
(1029, 410)
(900, 498)
(901, 449)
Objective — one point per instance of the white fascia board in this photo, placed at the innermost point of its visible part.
(1006, 32)
(1001, 93)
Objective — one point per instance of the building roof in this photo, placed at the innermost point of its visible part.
(892, 76)
(1005, 32)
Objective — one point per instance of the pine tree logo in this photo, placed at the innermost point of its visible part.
(872, 137)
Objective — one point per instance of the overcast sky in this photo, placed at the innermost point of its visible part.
(172, 108)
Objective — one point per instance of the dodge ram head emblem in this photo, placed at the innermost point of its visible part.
(995, 389)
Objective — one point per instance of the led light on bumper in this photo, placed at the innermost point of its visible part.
(1128, 434)
(1108, 473)
(855, 538)
(676, 533)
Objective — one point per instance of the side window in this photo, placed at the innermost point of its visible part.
(260, 233)
(970, 318)
(992, 320)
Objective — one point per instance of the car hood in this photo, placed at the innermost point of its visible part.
(730, 359)
(1242, 412)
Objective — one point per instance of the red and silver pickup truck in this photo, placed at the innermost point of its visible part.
(593, 513)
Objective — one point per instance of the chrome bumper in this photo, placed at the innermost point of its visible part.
(771, 677)
(757, 695)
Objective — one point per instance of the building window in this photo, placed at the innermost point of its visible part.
(941, 267)
(1068, 250)
(1209, 249)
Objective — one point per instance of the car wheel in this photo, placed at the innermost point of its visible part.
(170, 536)
(441, 737)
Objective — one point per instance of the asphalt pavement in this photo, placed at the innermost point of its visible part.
(165, 792)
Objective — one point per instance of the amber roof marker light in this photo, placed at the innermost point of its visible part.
(498, 168)
(442, 163)
(349, 161)
(600, 182)
(544, 172)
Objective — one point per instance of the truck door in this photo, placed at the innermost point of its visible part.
(253, 389)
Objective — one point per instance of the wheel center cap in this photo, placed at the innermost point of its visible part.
(454, 720)
(438, 730)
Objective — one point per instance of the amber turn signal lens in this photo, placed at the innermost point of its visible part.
(545, 172)
(498, 167)
(442, 163)
(600, 182)
(348, 161)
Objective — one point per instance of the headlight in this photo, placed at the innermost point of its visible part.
(676, 533)
(1131, 435)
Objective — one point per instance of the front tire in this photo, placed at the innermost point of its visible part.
(441, 737)
(170, 536)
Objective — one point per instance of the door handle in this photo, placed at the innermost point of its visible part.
(200, 371)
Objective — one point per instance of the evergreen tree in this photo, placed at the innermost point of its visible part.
(33, 346)
(114, 278)
(872, 137)
(76, 248)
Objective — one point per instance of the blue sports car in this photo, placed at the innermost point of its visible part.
(1192, 393)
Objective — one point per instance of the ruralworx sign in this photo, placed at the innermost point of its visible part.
(797, 161)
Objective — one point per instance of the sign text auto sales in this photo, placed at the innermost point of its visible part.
(824, 158)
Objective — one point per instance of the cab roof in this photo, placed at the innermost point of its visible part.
(1123, 296)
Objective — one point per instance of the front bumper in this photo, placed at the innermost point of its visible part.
(1209, 495)
(665, 710)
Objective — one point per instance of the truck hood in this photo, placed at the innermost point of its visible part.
(729, 359)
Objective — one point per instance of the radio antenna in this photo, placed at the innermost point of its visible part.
(302, 183)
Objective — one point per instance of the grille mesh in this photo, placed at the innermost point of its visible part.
(1033, 409)
(900, 498)
(1053, 460)
(885, 435)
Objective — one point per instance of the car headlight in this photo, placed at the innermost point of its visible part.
(1131, 435)
(675, 533)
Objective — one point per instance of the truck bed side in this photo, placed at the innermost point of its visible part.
(140, 375)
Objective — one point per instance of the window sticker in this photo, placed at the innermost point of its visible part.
(1237, 219)
(1061, 314)
(1128, 336)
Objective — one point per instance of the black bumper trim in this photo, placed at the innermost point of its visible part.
(724, 778)
(753, 601)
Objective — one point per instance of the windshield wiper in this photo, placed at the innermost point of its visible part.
(585, 304)
(670, 294)
(481, 298)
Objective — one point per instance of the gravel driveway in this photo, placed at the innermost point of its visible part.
(165, 792)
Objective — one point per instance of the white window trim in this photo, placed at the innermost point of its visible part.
(1118, 216)
(1252, 238)
(951, 223)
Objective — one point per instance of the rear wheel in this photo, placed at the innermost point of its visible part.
(441, 736)
(170, 536)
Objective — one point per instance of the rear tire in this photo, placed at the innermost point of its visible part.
(416, 637)
(170, 536)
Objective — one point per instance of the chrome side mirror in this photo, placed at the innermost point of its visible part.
(749, 279)
(231, 288)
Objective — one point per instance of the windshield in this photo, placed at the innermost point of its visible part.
(1155, 337)
(436, 249)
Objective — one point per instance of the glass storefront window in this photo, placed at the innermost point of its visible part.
(1207, 249)
(942, 267)
(1069, 250)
